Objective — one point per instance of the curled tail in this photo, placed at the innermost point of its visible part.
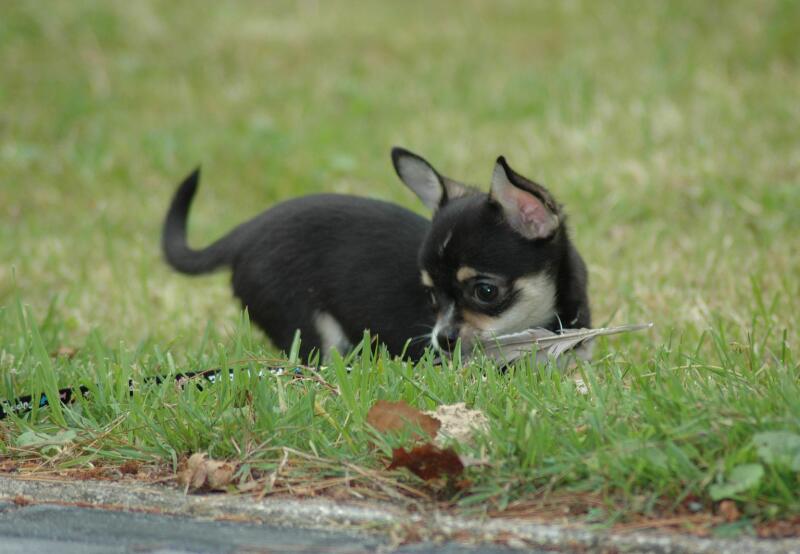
(173, 237)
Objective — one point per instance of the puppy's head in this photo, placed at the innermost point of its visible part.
(490, 261)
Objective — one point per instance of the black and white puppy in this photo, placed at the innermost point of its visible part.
(334, 265)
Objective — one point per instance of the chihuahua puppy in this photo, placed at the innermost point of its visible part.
(332, 265)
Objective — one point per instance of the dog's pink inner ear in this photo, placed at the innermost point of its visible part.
(534, 215)
(524, 211)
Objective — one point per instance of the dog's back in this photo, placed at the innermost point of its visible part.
(329, 265)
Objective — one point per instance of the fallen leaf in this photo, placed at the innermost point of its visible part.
(249, 486)
(742, 477)
(458, 422)
(728, 510)
(49, 445)
(386, 416)
(779, 448)
(427, 461)
(202, 472)
(33, 439)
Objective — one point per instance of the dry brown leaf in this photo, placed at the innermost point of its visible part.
(427, 461)
(728, 510)
(194, 476)
(458, 422)
(250, 486)
(386, 416)
(202, 472)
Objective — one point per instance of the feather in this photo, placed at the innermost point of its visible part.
(547, 344)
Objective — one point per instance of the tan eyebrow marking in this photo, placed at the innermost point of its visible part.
(466, 272)
(426, 278)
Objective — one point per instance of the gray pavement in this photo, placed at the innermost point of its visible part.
(86, 517)
(68, 530)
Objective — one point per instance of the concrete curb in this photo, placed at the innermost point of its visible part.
(323, 514)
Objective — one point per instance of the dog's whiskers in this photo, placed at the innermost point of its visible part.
(419, 338)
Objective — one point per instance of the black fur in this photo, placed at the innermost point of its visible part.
(359, 260)
(351, 257)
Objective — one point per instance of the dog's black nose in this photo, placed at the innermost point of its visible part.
(447, 339)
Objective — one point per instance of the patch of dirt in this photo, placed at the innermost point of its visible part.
(782, 529)
(129, 471)
(20, 500)
(129, 468)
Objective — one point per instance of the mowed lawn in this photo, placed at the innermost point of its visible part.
(670, 131)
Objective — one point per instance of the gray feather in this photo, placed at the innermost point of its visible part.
(547, 344)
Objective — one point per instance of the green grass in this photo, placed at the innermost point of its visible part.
(669, 131)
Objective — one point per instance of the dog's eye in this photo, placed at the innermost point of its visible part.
(485, 292)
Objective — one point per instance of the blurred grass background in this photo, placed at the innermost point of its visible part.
(670, 130)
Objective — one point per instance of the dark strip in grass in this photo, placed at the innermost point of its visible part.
(24, 404)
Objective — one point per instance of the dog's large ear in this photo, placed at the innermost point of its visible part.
(528, 207)
(432, 188)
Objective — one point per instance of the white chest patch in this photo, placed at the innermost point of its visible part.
(426, 279)
(331, 335)
(534, 307)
